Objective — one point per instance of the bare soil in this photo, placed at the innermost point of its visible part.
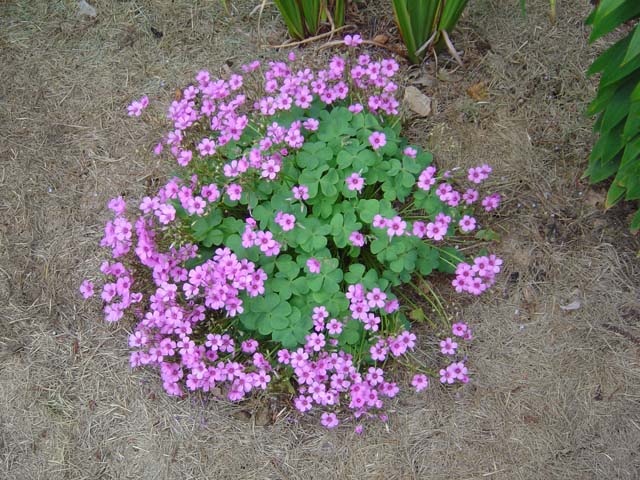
(555, 394)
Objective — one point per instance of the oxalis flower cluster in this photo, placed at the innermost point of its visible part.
(275, 257)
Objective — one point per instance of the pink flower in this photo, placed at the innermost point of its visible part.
(286, 221)
(420, 382)
(379, 221)
(270, 169)
(86, 288)
(315, 342)
(376, 298)
(300, 192)
(479, 174)
(410, 152)
(355, 182)
(459, 329)
(329, 420)
(446, 376)
(391, 306)
(184, 157)
(311, 124)
(249, 346)
(467, 224)
(334, 327)
(352, 40)
(448, 346)
(267, 244)
(396, 226)
(117, 205)
(475, 175)
(459, 371)
(419, 229)
(137, 106)
(436, 231)
(389, 67)
(313, 265)
(234, 191)
(378, 352)
(303, 403)
(427, 178)
(470, 196)
(356, 239)
(491, 202)
(356, 108)
(206, 147)
(377, 140)
(284, 356)
(319, 313)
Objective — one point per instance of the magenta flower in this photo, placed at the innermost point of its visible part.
(470, 196)
(377, 140)
(303, 403)
(206, 147)
(311, 124)
(427, 178)
(286, 221)
(410, 152)
(249, 346)
(446, 376)
(491, 202)
(391, 306)
(329, 420)
(389, 67)
(448, 346)
(355, 182)
(436, 231)
(376, 298)
(419, 229)
(270, 169)
(137, 106)
(459, 329)
(380, 222)
(334, 327)
(313, 265)
(420, 382)
(284, 356)
(467, 224)
(300, 192)
(396, 226)
(234, 191)
(315, 342)
(459, 371)
(184, 157)
(352, 40)
(86, 288)
(356, 239)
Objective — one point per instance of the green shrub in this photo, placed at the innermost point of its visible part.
(304, 17)
(425, 23)
(617, 104)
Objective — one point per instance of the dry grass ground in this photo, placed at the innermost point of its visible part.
(555, 394)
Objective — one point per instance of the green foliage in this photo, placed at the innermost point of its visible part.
(324, 224)
(304, 17)
(424, 23)
(617, 104)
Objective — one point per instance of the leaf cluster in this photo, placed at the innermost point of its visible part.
(617, 104)
(324, 224)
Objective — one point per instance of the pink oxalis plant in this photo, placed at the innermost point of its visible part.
(274, 256)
